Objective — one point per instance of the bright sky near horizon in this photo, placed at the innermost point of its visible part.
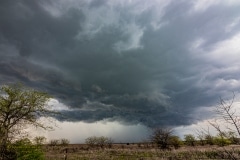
(118, 68)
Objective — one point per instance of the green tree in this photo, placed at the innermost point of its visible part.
(189, 139)
(175, 141)
(19, 108)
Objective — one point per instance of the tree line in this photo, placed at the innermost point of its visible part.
(21, 107)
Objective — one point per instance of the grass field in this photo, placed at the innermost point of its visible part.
(140, 152)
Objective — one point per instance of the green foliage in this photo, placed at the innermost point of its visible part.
(221, 141)
(189, 139)
(20, 107)
(175, 141)
(25, 150)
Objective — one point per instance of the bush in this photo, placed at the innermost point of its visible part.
(25, 150)
(175, 141)
(58, 142)
(161, 137)
(54, 142)
(232, 137)
(39, 140)
(91, 141)
(102, 141)
(64, 142)
(99, 141)
(109, 142)
(221, 141)
(209, 139)
(189, 139)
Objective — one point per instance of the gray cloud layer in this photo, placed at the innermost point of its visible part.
(150, 62)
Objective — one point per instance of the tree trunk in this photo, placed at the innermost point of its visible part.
(3, 146)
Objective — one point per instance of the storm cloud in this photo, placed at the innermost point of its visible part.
(136, 62)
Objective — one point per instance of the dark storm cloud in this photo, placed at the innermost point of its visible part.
(149, 62)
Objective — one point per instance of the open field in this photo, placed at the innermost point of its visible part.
(140, 152)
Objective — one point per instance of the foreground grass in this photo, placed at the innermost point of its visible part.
(140, 153)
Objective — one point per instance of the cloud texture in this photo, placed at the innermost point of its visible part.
(150, 62)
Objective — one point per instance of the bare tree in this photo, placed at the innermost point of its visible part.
(99, 141)
(200, 136)
(54, 142)
(40, 140)
(162, 137)
(228, 121)
(204, 136)
(64, 142)
(20, 107)
(227, 111)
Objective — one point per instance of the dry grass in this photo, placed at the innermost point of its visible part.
(140, 152)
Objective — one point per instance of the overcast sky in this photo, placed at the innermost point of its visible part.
(130, 62)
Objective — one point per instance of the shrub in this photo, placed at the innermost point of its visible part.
(25, 150)
(54, 142)
(39, 140)
(99, 141)
(175, 141)
(91, 141)
(161, 137)
(189, 139)
(64, 142)
(209, 139)
(232, 137)
(221, 141)
(109, 142)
